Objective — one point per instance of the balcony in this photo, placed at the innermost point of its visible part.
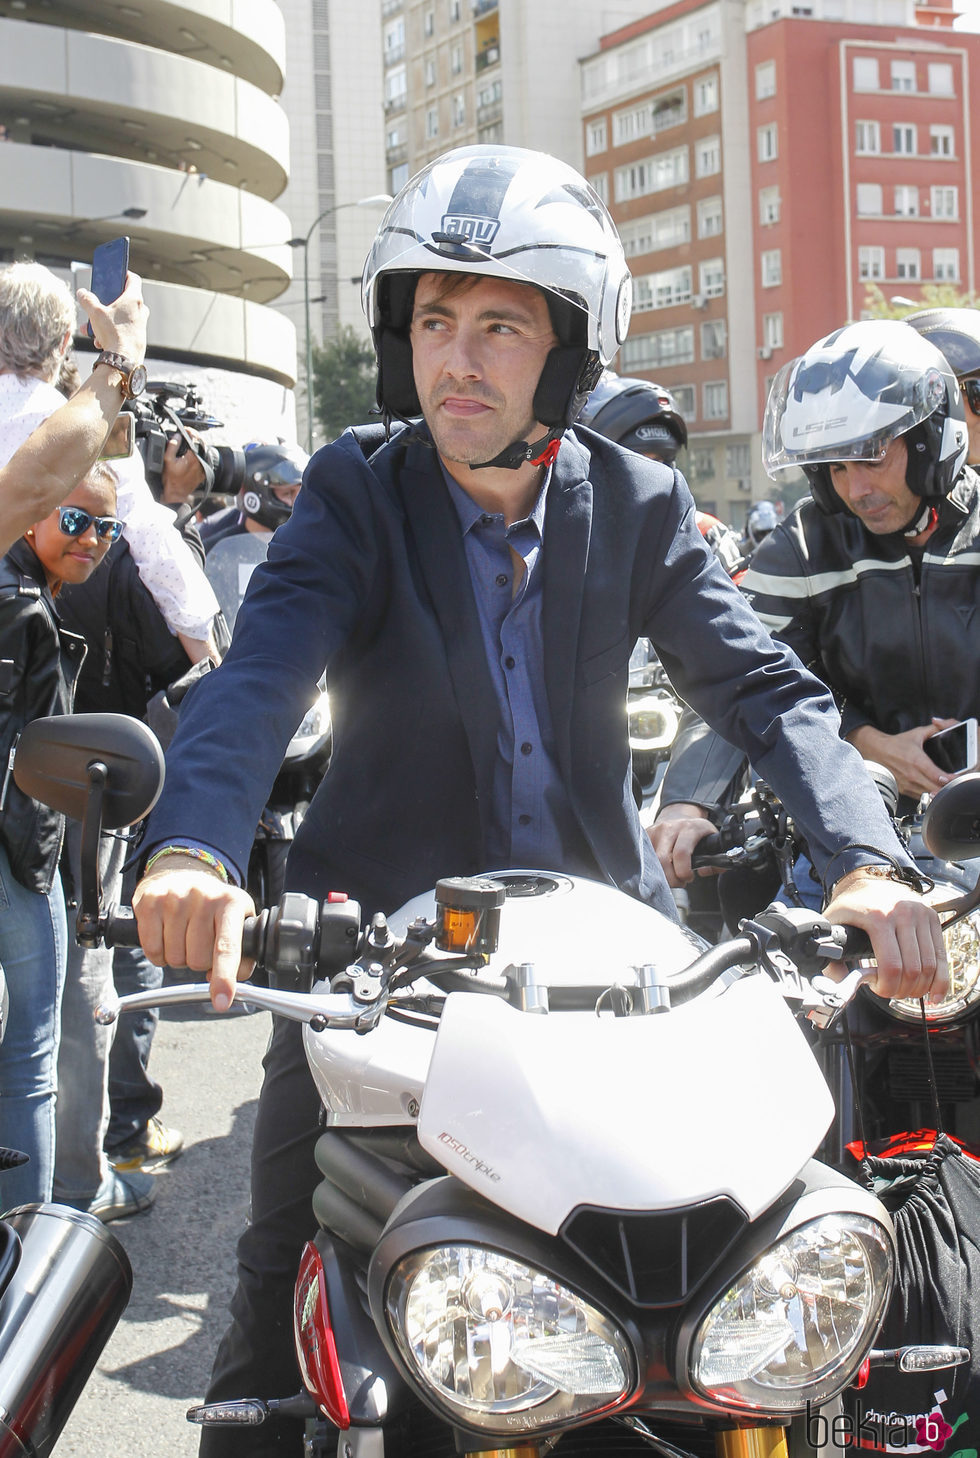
(492, 112)
(487, 55)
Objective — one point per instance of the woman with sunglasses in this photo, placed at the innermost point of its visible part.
(39, 663)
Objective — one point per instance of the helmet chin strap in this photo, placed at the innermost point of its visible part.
(540, 452)
(922, 521)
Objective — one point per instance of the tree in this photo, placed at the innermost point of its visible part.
(934, 296)
(344, 382)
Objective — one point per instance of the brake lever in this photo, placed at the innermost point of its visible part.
(833, 997)
(340, 1012)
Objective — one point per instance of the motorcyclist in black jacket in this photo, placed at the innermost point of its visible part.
(874, 580)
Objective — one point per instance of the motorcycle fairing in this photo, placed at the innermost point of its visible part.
(542, 1114)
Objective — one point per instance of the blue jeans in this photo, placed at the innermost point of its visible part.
(134, 1097)
(33, 948)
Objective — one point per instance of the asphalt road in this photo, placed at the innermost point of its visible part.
(182, 1250)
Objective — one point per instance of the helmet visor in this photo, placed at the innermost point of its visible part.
(844, 405)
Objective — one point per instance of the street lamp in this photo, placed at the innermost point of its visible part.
(378, 199)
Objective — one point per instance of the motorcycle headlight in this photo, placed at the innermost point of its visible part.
(652, 723)
(795, 1327)
(490, 1337)
(963, 955)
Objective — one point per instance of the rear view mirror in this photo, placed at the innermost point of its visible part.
(951, 824)
(55, 757)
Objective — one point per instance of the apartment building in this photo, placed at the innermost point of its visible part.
(765, 163)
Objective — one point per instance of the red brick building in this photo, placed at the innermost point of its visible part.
(765, 163)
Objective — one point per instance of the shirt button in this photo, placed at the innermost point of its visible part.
(509, 662)
(523, 819)
(526, 747)
(502, 579)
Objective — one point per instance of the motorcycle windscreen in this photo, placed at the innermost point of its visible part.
(541, 1114)
(229, 566)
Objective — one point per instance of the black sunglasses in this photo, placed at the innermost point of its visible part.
(971, 393)
(75, 522)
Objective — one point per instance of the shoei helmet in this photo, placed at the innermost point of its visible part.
(955, 333)
(502, 212)
(267, 468)
(636, 414)
(853, 393)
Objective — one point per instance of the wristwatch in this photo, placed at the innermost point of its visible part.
(132, 377)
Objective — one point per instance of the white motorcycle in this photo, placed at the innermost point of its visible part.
(568, 1187)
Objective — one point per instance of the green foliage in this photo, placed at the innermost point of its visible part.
(344, 381)
(934, 296)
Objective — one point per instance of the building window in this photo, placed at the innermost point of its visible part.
(767, 143)
(772, 268)
(904, 140)
(871, 262)
(869, 199)
(772, 331)
(653, 174)
(713, 339)
(396, 86)
(394, 40)
(903, 75)
(707, 157)
(662, 290)
(631, 125)
(456, 58)
(429, 22)
(432, 122)
(765, 80)
(738, 461)
(711, 278)
(865, 73)
(595, 137)
(668, 111)
(492, 133)
(906, 202)
(395, 137)
(944, 202)
(455, 10)
(705, 95)
(658, 230)
(459, 110)
(946, 265)
(430, 72)
(907, 263)
(716, 400)
(941, 141)
(684, 398)
(867, 137)
(600, 185)
(702, 460)
(769, 205)
(398, 178)
(709, 217)
(940, 78)
(653, 351)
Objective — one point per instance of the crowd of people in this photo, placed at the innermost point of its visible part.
(473, 573)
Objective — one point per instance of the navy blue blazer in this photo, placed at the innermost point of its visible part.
(368, 580)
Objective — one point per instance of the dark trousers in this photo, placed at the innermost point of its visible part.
(256, 1357)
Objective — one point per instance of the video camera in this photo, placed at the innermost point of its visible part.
(156, 422)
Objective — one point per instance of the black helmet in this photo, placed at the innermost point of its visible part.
(853, 393)
(955, 333)
(266, 467)
(506, 213)
(636, 414)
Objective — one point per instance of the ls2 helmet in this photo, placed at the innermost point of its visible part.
(505, 213)
(853, 393)
(269, 468)
(636, 414)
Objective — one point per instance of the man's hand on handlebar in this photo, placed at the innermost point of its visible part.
(188, 917)
(674, 835)
(906, 937)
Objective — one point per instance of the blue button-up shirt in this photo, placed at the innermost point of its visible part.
(531, 821)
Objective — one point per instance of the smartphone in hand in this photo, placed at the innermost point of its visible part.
(955, 749)
(110, 264)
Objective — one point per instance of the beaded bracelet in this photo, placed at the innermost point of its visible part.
(195, 852)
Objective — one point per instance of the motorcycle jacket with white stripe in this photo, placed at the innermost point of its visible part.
(892, 631)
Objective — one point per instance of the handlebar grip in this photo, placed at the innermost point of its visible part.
(120, 928)
(857, 943)
(252, 936)
(711, 845)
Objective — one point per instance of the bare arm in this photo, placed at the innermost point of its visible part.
(55, 457)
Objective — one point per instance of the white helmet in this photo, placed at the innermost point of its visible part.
(507, 213)
(853, 393)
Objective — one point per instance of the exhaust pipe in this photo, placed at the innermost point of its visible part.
(57, 1311)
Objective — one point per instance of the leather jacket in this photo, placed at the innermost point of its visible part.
(39, 664)
(892, 632)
